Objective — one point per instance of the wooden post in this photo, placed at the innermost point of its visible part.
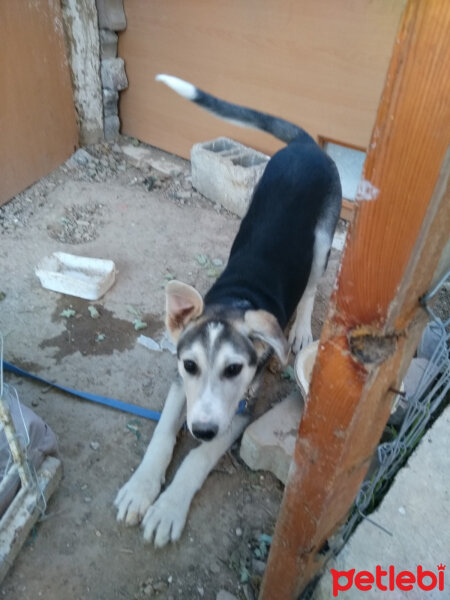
(375, 320)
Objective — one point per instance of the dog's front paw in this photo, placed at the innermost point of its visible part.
(134, 498)
(164, 521)
(300, 337)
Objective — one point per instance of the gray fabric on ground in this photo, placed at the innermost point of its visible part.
(42, 443)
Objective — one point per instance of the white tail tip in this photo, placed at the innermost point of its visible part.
(184, 88)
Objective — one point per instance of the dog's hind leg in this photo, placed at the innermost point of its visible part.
(301, 335)
(143, 487)
(165, 519)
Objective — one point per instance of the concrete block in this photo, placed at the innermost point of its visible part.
(268, 443)
(108, 44)
(226, 172)
(111, 15)
(113, 74)
(112, 127)
(110, 102)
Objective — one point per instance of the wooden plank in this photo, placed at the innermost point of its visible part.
(24, 511)
(375, 319)
(319, 64)
(37, 117)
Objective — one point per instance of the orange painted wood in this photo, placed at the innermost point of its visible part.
(393, 249)
(37, 116)
(319, 64)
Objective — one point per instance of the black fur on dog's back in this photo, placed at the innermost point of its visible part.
(269, 265)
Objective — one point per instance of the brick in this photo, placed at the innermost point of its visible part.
(111, 15)
(108, 44)
(268, 443)
(113, 74)
(226, 172)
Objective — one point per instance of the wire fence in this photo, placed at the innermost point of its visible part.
(421, 406)
(16, 470)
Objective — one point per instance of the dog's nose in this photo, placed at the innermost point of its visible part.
(204, 431)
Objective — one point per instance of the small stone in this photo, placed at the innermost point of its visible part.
(144, 158)
(181, 195)
(224, 595)
(94, 445)
(87, 499)
(108, 44)
(258, 566)
(110, 106)
(80, 157)
(111, 130)
(113, 74)
(111, 15)
(238, 531)
(160, 586)
(214, 568)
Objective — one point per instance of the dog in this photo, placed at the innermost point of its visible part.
(225, 339)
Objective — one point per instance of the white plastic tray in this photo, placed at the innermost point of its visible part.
(81, 276)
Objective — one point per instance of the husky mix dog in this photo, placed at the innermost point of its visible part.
(225, 339)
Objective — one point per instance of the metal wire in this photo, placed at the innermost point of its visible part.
(17, 442)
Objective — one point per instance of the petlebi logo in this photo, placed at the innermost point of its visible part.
(388, 580)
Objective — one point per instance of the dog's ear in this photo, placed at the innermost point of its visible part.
(264, 326)
(183, 303)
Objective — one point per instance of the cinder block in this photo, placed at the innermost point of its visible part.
(268, 443)
(226, 172)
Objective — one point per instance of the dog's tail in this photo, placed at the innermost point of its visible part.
(233, 113)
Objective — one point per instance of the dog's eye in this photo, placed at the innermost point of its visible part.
(191, 367)
(232, 370)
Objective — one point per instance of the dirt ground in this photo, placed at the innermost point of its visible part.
(155, 227)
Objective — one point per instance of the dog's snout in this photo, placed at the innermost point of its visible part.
(204, 431)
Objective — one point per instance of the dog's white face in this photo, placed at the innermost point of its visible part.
(217, 357)
(217, 364)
